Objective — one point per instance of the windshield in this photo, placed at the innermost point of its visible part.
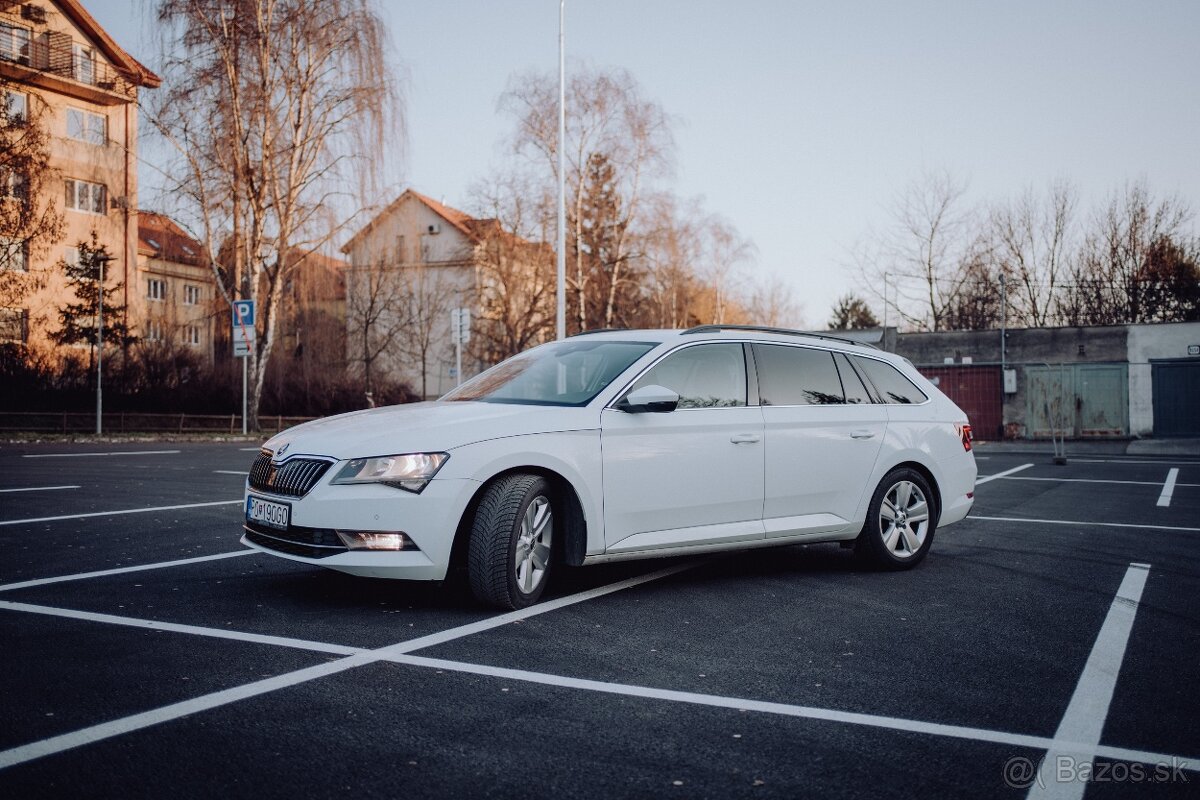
(566, 373)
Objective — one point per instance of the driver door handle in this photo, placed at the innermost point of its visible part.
(745, 438)
(862, 434)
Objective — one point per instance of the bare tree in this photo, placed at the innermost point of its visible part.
(376, 316)
(607, 117)
(1112, 279)
(724, 255)
(1032, 244)
(429, 294)
(922, 256)
(29, 220)
(274, 103)
(515, 273)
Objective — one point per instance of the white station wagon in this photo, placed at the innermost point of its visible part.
(622, 445)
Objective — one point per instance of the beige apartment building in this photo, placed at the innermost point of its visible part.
(57, 63)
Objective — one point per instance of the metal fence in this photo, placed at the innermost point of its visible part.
(131, 422)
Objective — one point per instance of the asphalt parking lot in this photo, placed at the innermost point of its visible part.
(145, 653)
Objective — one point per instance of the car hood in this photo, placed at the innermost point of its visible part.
(426, 427)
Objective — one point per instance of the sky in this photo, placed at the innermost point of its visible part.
(799, 122)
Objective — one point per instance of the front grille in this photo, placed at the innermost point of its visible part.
(296, 541)
(294, 477)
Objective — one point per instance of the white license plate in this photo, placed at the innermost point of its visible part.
(273, 515)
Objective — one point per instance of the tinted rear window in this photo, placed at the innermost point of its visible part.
(892, 386)
(796, 376)
(855, 391)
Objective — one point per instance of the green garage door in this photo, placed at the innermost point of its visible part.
(1077, 400)
(1176, 397)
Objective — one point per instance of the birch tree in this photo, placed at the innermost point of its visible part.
(1032, 246)
(278, 110)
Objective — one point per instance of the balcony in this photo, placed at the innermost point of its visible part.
(64, 68)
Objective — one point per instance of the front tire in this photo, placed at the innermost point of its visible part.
(900, 522)
(512, 536)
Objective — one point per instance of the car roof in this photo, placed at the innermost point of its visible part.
(736, 333)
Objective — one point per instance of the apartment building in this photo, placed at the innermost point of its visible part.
(59, 67)
(179, 299)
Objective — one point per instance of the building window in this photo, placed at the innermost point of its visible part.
(191, 335)
(14, 325)
(16, 107)
(14, 43)
(156, 289)
(84, 196)
(13, 185)
(71, 256)
(154, 331)
(86, 126)
(191, 295)
(84, 62)
(400, 251)
(14, 254)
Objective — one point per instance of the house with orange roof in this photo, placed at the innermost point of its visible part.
(178, 303)
(57, 65)
(410, 265)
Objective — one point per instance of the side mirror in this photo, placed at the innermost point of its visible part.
(652, 398)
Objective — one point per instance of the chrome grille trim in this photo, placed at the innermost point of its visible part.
(295, 477)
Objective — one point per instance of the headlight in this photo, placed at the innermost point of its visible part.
(410, 471)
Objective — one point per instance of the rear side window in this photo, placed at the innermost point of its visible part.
(704, 376)
(891, 384)
(796, 376)
(855, 391)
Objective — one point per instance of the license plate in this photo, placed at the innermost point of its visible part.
(266, 512)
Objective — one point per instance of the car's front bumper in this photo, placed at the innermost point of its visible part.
(428, 519)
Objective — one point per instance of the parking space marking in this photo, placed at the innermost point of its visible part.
(231, 472)
(195, 630)
(37, 489)
(136, 722)
(119, 513)
(1089, 480)
(1132, 461)
(249, 449)
(999, 475)
(1087, 524)
(108, 730)
(8, 587)
(86, 455)
(1083, 721)
(783, 709)
(1164, 499)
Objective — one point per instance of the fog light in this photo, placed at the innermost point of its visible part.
(373, 540)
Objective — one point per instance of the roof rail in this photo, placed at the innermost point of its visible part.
(783, 331)
(597, 330)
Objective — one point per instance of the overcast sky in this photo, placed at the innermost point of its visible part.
(800, 122)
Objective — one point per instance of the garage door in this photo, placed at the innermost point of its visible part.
(1176, 397)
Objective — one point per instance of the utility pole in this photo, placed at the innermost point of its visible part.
(561, 294)
(100, 259)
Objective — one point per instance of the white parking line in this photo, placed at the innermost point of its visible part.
(231, 472)
(8, 587)
(806, 712)
(1164, 499)
(37, 489)
(999, 475)
(249, 449)
(1086, 524)
(1129, 461)
(195, 630)
(118, 513)
(107, 730)
(1084, 719)
(86, 455)
(1090, 480)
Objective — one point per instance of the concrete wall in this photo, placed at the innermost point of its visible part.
(1146, 343)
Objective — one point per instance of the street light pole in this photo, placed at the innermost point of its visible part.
(100, 259)
(561, 311)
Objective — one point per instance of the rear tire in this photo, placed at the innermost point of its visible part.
(509, 554)
(901, 520)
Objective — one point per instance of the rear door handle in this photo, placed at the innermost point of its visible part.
(745, 438)
(862, 434)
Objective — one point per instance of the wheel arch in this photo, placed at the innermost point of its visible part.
(569, 505)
